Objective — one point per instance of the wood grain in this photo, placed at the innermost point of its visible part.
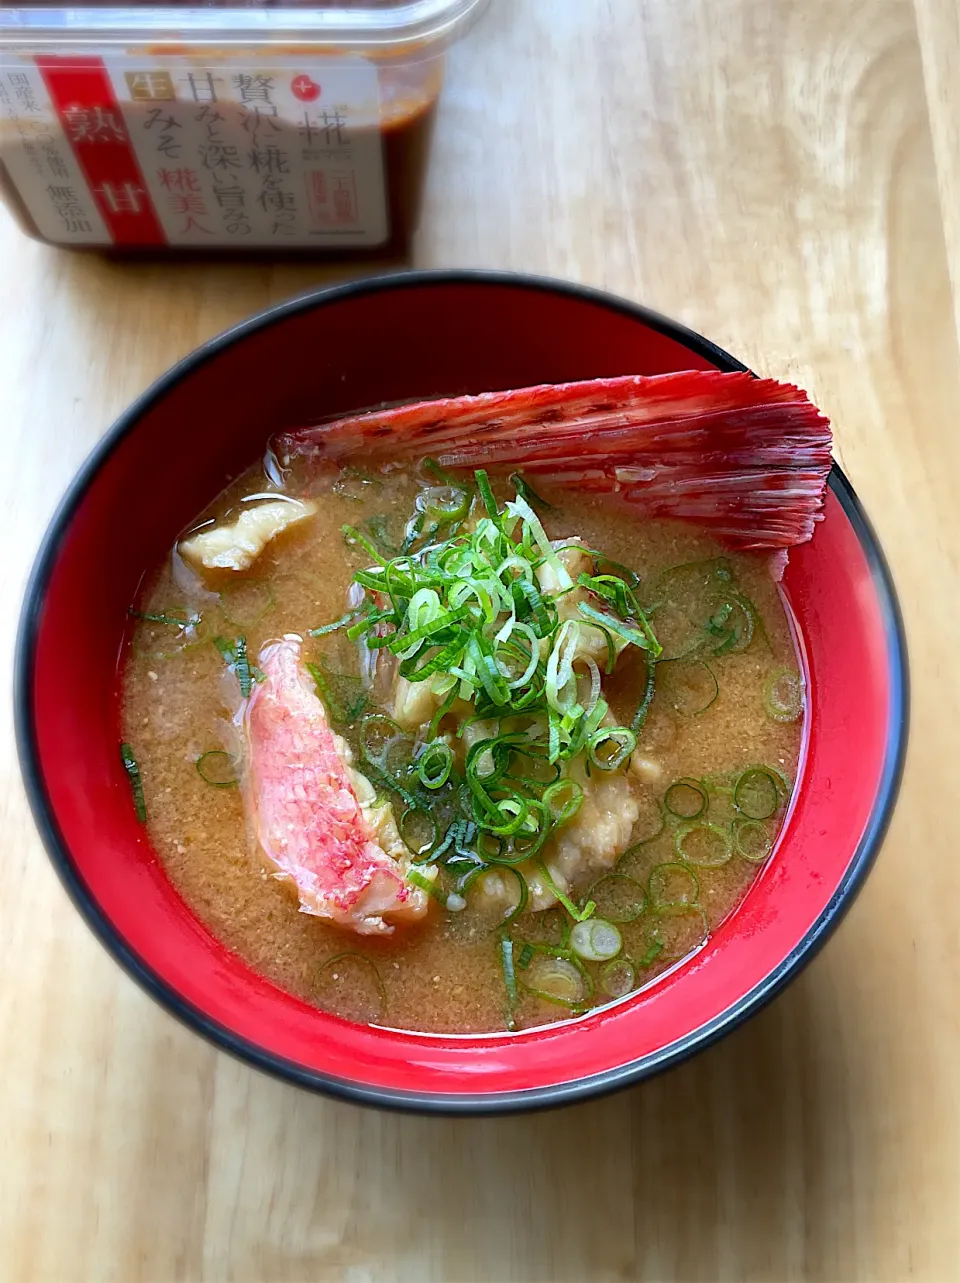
(783, 175)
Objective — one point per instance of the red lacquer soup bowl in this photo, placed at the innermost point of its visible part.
(409, 337)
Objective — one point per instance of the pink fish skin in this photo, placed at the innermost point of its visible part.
(746, 458)
(304, 808)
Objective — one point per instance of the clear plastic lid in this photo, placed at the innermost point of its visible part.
(369, 26)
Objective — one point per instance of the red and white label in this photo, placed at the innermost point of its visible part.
(107, 152)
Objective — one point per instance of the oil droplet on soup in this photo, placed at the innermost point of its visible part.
(656, 825)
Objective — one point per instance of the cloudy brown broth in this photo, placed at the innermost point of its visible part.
(446, 972)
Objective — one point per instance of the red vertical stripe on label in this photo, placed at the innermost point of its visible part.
(93, 123)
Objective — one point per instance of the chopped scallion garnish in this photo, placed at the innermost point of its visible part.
(783, 695)
(755, 794)
(217, 768)
(595, 940)
(476, 615)
(430, 885)
(337, 624)
(526, 491)
(174, 621)
(136, 783)
(435, 764)
(509, 974)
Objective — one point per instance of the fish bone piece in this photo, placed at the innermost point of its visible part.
(316, 818)
(238, 545)
(592, 842)
(414, 703)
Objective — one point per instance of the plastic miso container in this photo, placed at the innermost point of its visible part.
(245, 128)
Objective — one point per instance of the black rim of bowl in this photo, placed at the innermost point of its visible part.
(466, 1103)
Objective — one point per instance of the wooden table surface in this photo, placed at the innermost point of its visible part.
(784, 176)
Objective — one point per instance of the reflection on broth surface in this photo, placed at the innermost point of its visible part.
(544, 829)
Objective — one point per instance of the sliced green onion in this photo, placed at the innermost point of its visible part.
(531, 602)
(217, 768)
(671, 885)
(486, 494)
(716, 624)
(490, 846)
(426, 663)
(362, 626)
(509, 974)
(508, 817)
(245, 602)
(651, 955)
(755, 794)
(558, 976)
(752, 840)
(733, 639)
(136, 783)
(679, 931)
(342, 622)
(379, 529)
(351, 536)
(430, 885)
(705, 846)
(235, 657)
(520, 508)
(526, 491)
(406, 644)
(242, 666)
(413, 532)
(418, 829)
(687, 799)
(469, 615)
(440, 714)
(174, 621)
(711, 572)
(578, 915)
(337, 702)
(435, 764)
(595, 940)
(594, 685)
(367, 1006)
(560, 686)
(522, 898)
(226, 651)
(352, 483)
(491, 679)
(640, 716)
(618, 898)
(612, 589)
(532, 663)
(623, 741)
(433, 468)
(553, 741)
(398, 758)
(783, 695)
(445, 503)
(563, 800)
(618, 978)
(377, 774)
(692, 686)
(642, 636)
(377, 733)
